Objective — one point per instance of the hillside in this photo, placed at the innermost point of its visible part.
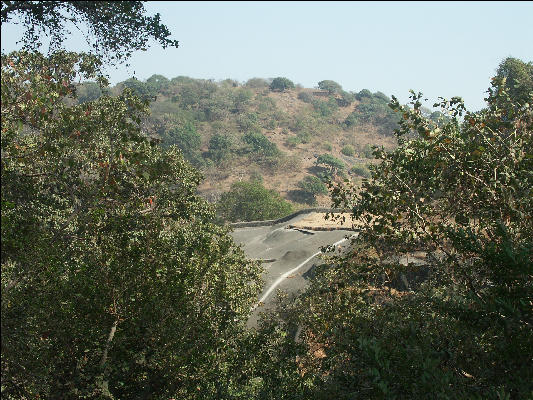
(236, 132)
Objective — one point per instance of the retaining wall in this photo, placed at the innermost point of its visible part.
(270, 222)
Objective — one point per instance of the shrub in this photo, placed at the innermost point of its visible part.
(325, 108)
(381, 96)
(248, 121)
(461, 321)
(219, 147)
(331, 86)
(157, 84)
(366, 151)
(346, 99)
(88, 91)
(256, 83)
(281, 84)
(374, 110)
(185, 136)
(365, 93)
(361, 170)
(330, 162)
(313, 185)
(139, 88)
(251, 201)
(293, 141)
(327, 146)
(259, 143)
(305, 97)
(348, 150)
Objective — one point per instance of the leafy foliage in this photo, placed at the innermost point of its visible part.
(332, 87)
(116, 282)
(310, 187)
(115, 29)
(518, 79)
(88, 91)
(330, 162)
(260, 144)
(220, 147)
(281, 84)
(434, 299)
(361, 170)
(373, 109)
(251, 201)
(348, 150)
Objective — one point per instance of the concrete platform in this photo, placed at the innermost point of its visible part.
(287, 255)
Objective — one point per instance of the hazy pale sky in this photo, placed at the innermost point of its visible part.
(440, 48)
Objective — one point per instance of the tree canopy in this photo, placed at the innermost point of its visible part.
(281, 84)
(115, 28)
(251, 201)
(331, 86)
(434, 298)
(116, 282)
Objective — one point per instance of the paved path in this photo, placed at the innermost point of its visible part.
(290, 253)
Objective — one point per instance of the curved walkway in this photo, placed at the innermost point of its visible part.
(288, 254)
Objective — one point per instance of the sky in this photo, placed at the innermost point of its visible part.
(439, 48)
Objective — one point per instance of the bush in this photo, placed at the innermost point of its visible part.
(141, 89)
(305, 97)
(248, 121)
(325, 108)
(327, 146)
(381, 96)
(251, 201)
(346, 99)
(256, 83)
(366, 151)
(313, 185)
(374, 110)
(259, 143)
(157, 84)
(219, 147)
(348, 150)
(293, 141)
(88, 91)
(281, 84)
(455, 326)
(331, 86)
(330, 162)
(361, 170)
(365, 93)
(185, 136)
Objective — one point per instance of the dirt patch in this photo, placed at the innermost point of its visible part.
(317, 221)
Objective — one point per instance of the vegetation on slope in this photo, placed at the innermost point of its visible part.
(117, 283)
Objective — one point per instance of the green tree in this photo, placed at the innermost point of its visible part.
(114, 29)
(259, 143)
(157, 84)
(256, 83)
(251, 201)
(140, 88)
(331, 163)
(518, 79)
(373, 109)
(348, 150)
(220, 146)
(281, 84)
(88, 91)
(332, 87)
(433, 300)
(186, 138)
(346, 98)
(310, 187)
(116, 283)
